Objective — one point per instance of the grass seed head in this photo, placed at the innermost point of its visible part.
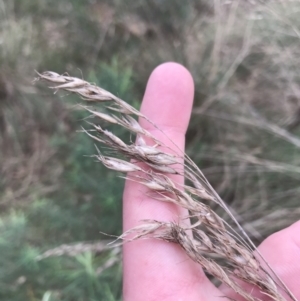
(212, 238)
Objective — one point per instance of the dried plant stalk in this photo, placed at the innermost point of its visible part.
(74, 250)
(212, 238)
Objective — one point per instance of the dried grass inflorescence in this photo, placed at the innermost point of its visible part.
(212, 238)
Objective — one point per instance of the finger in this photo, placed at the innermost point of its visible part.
(282, 252)
(156, 270)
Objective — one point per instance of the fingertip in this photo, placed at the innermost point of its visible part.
(174, 70)
(169, 96)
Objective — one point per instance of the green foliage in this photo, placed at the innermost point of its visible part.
(21, 274)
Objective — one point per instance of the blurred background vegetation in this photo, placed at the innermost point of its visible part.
(244, 132)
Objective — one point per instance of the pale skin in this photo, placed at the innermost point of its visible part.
(156, 270)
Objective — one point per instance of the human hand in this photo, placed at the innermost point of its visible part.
(156, 270)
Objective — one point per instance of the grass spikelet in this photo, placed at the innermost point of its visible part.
(213, 241)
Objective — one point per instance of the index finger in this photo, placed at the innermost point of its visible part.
(167, 103)
(156, 270)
